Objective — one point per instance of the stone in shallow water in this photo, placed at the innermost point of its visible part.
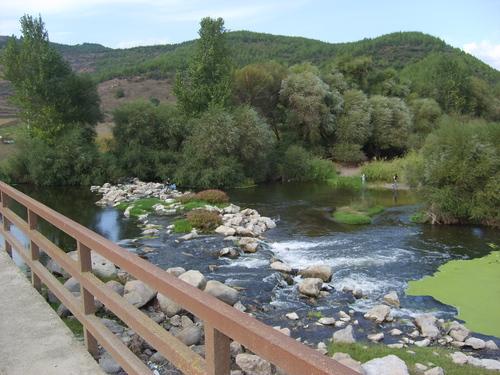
(320, 271)
(222, 291)
(310, 287)
(292, 316)
(378, 313)
(252, 364)
(344, 336)
(475, 343)
(347, 361)
(392, 299)
(427, 325)
(458, 332)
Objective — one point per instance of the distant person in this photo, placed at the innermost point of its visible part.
(173, 187)
(395, 182)
(363, 178)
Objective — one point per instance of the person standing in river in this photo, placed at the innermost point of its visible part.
(395, 182)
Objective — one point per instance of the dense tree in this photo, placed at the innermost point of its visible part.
(147, 139)
(223, 147)
(425, 113)
(208, 78)
(258, 85)
(391, 122)
(354, 123)
(310, 106)
(50, 96)
(460, 174)
(356, 70)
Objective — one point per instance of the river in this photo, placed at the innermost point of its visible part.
(377, 258)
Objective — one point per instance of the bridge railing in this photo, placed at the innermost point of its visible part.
(222, 323)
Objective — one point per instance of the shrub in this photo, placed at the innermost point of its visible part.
(348, 153)
(204, 220)
(186, 198)
(347, 216)
(212, 196)
(119, 93)
(298, 164)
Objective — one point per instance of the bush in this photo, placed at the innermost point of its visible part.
(212, 196)
(119, 93)
(204, 220)
(384, 170)
(298, 164)
(348, 153)
(182, 226)
(460, 174)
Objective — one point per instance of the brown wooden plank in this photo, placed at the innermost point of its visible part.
(217, 354)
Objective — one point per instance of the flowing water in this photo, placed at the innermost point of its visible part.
(377, 258)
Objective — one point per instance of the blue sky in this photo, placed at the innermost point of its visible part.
(471, 25)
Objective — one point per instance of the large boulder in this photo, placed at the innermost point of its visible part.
(169, 307)
(116, 287)
(458, 331)
(176, 271)
(101, 267)
(253, 365)
(222, 291)
(225, 231)
(392, 299)
(108, 364)
(344, 336)
(281, 267)
(138, 293)
(72, 285)
(389, 365)
(194, 278)
(427, 325)
(248, 244)
(475, 343)
(319, 271)
(310, 287)
(378, 313)
(190, 335)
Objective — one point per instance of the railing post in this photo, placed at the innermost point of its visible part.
(6, 223)
(34, 250)
(85, 265)
(217, 354)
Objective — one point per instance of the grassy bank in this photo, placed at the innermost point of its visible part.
(472, 286)
(437, 356)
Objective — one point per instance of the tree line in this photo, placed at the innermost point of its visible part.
(234, 126)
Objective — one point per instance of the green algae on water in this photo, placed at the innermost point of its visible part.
(472, 286)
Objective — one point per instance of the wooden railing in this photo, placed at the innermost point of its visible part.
(222, 323)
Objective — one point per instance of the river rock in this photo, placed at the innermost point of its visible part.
(225, 231)
(347, 361)
(190, 335)
(376, 337)
(138, 293)
(108, 364)
(378, 313)
(72, 285)
(168, 306)
(55, 268)
(231, 209)
(423, 343)
(490, 364)
(101, 267)
(116, 287)
(388, 365)
(395, 332)
(344, 336)
(229, 252)
(310, 287)
(194, 278)
(192, 235)
(392, 299)
(427, 325)
(222, 291)
(435, 371)
(253, 365)
(248, 244)
(292, 316)
(268, 222)
(113, 326)
(491, 345)
(458, 332)
(459, 358)
(176, 271)
(281, 267)
(322, 272)
(327, 321)
(475, 343)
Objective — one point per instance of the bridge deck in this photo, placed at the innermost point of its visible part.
(33, 339)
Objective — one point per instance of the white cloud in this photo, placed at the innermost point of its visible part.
(486, 51)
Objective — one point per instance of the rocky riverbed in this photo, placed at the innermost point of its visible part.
(304, 295)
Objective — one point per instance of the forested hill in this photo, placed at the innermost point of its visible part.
(397, 50)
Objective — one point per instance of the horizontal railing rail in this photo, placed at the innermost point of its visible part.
(222, 323)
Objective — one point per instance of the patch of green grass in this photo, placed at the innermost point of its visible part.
(191, 205)
(74, 325)
(365, 352)
(346, 182)
(182, 226)
(418, 218)
(140, 206)
(469, 285)
(314, 315)
(346, 215)
(375, 210)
